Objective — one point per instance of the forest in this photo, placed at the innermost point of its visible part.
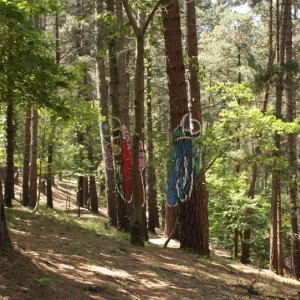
(150, 119)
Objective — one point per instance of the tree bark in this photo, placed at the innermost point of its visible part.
(197, 207)
(33, 158)
(123, 222)
(49, 173)
(270, 59)
(93, 195)
(26, 158)
(276, 243)
(80, 191)
(85, 191)
(235, 251)
(9, 182)
(292, 143)
(80, 179)
(50, 145)
(105, 132)
(93, 205)
(137, 218)
(123, 76)
(151, 178)
(178, 100)
(5, 242)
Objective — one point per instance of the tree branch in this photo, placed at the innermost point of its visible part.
(131, 18)
(150, 16)
(218, 156)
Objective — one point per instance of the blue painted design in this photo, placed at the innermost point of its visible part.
(171, 190)
(184, 165)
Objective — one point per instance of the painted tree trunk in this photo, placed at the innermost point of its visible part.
(33, 158)
(137, 218)
(105, 132)
(198, 204)
(9, 182)
(178, 98)
(123, 223)
(137, 226)
(123, 94)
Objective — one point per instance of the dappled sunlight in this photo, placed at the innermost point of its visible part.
(98, 262)
(19, 232)
(107, 271)
(159, 240)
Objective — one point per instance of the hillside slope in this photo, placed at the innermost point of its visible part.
(59, 256)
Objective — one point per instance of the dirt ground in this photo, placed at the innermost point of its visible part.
(55, 257)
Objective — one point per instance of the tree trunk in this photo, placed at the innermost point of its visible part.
(273, 228)
(276, 182)
(5, 242)
(26, 159)
(123, 223)
(137, 225)
(93, 205)
(93, 195)
(80, 179)
(123, 95)
(151, 179)
(178, 101)
(33, 159)
(85, 191)
(235, 253)
(197, 207)
(52, 128)
(49, 174)
(141, 20)
(137, 218)
(123, 76)
(80, 191)
(292, 144)
(245, 257)
(270, 59)
(9, 182)
(102, 95)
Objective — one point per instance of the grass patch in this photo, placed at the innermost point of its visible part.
(44, 281)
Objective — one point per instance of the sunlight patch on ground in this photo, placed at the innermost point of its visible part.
(178, 267)
(154, 283)
(159, 240)
(19, 232)
(110, 272)
(65, 267)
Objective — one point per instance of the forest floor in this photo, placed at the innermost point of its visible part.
(60, 256)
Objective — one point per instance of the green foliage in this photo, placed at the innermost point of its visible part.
(42, 281)
(241, 136)
(28, 72)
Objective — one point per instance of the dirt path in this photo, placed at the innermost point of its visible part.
(60, 257)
